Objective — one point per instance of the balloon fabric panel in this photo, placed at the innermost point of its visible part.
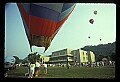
(39, 26)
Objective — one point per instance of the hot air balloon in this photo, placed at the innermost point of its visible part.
(91, 21)
(42, 21)
(100, 39)
(89, 37)
(95, 12)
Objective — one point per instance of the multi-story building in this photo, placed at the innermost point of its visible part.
(72, 57)
(62, 57)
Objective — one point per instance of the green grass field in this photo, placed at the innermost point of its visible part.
(63, 72)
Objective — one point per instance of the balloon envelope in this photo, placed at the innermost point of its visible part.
(42, 21)
(95, 12)
(91, 21)
(89, 37)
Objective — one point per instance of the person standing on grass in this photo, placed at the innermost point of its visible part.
(32, 70)
(28, 70)
(45, 68)
(37, 68)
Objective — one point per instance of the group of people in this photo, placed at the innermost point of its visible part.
(34, 69)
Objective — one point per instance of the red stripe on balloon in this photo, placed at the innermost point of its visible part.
(41, 26)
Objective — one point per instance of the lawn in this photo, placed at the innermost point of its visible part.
(72, 72)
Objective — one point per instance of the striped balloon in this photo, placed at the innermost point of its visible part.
(42, 21)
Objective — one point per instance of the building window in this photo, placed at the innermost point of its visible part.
(64, 52)
(70, 58)
(83, 53)
(83, 58)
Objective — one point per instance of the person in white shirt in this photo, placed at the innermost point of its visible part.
(45, 68)
(32, 70)
(37, 68)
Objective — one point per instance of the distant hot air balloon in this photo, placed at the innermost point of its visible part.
(95, 12)
(91, 21)
(89, 37)
(42, 21)
(100, 39)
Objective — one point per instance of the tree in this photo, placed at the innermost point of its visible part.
(33, 57)
(24, 61)
(99, 58)
(112, 56)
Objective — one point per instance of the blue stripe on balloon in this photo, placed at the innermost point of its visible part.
(67, 6)
(53, 6)
(47, 13)
(65, 13)
(43, 12)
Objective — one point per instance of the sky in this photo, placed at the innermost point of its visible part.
(73, 34)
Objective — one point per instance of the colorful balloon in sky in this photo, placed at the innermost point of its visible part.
(89, 37)
(42, 21)
(91, 21)
(95, 12)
